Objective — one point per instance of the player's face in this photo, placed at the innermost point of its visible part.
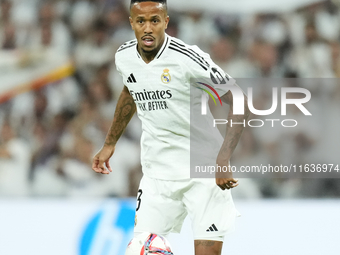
(149, 21)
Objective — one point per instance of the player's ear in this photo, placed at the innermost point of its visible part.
(131, 23)
(167, 19)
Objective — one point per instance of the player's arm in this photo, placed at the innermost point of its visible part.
(124, 111)
(233, 134)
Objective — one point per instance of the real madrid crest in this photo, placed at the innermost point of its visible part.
(166, 78)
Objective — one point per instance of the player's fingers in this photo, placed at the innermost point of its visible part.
(232, 183)
(107, 163)
(221, 186)
(97, 169)
(235, 182)
(94, 164)
(227, 183)
(217, 181)
(105, 171)
(99, 166)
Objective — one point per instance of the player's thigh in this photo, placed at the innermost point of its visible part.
(208, 247)
(211, 210)
(156, 210)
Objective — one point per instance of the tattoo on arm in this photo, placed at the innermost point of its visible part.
(124, 111)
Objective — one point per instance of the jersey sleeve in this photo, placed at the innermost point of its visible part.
(119, 68)
(204, 68)
(117, 64)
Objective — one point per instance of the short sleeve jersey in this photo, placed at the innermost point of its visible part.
(161, 91)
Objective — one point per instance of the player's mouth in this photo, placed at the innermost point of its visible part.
(148, 40)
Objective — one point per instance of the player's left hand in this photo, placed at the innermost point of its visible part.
(226, 183)
(225, 180)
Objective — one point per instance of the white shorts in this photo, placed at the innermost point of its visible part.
(163, 205)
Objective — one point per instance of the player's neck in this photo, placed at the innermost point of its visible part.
(148, 56)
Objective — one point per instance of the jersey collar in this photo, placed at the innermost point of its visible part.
(162, 49)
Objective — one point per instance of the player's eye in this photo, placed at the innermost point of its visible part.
(155, 21)
(140, 21)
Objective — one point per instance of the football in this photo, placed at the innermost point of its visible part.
(148, 244)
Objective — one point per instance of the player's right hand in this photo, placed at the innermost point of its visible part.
(100, 162)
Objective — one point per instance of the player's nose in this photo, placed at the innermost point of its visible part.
(147, 28)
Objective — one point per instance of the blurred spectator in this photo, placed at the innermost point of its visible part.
(62, 96)
(119, 28)
(82, 14)
(95, 51)
(5, 16)
(101, 95)
(77, 170)
(51, 34)
(267, 61)
(9, 37)
(14, 163)
(327, 21)
(50, 146)
(313, 59)
(191, 27)
(222, 51)
(336, 58)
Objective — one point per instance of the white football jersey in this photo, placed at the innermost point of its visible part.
(161, 91)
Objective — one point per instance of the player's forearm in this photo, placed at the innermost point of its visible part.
(234, 132)
(124, 111)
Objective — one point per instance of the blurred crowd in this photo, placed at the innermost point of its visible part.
(49, 136)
